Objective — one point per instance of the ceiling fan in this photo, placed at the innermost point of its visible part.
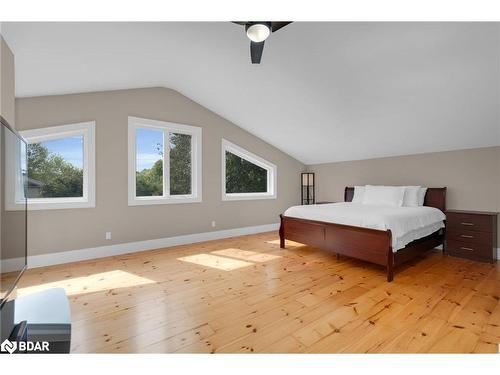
(257, 32)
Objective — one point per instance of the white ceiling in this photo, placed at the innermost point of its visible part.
(324, 91)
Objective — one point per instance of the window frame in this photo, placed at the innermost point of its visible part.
(84, 129)
(272, 173)
(166, 127)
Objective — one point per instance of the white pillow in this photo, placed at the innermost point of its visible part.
(411, 196)
(384, 195)
(359, 193)
(421, 195)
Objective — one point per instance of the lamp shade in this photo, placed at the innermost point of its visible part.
(311, 179)
(307, 179)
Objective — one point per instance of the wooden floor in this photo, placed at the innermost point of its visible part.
(244, 294)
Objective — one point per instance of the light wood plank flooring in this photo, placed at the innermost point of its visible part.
(244, 294)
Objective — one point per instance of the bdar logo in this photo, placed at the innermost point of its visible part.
(24, 346)
(8, 346)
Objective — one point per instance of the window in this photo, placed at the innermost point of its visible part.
(60, 168)
(245, 175)
(164, 162)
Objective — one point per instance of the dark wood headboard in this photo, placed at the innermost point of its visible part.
(435, 197)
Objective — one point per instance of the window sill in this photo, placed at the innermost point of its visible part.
(154, 201)
(53, 204)
(247, 197)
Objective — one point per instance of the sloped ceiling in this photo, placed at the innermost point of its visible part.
(324, 92)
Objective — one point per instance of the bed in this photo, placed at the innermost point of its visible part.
(363, 232)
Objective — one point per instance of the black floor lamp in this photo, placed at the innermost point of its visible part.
(307, 188)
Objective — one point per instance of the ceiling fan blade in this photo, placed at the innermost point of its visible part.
(242, 23)
(256, 51)
(276, 25)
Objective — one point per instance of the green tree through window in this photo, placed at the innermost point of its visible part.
(51, 176)
(149, 182)
(243, 176)
(180, 164)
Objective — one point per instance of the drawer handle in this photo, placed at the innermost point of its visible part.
(470, 224)
(467, 248)
(466, 236)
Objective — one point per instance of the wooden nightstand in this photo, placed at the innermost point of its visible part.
(471, 234)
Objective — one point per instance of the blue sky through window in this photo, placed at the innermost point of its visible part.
(147, 141)
(70, 149)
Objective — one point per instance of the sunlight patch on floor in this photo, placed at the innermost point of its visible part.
(92, 283)
(287, 243)
(250, 256)
(214, 261)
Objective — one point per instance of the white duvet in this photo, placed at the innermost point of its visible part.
(405, 223)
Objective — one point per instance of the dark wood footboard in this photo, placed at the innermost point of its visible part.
(371, 245)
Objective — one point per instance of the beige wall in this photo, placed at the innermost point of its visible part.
(7, 111)
(59, 230)
(471, 176)
(7, 88)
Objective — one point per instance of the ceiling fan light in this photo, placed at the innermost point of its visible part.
(258, 32)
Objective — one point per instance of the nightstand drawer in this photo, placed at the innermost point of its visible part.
(469, 236)
(470, 222)
(472, 251)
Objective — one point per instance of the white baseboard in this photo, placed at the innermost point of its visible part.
(130, 247)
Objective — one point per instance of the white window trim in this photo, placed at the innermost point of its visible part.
(85, 129)
(196, 162)
(272, 176)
